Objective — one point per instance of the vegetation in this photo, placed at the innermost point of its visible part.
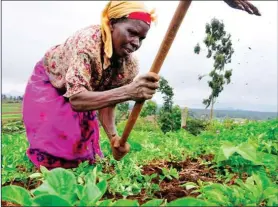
(122, 111)
(219, 46)
(226, 164)
(169, 118)
(11, 111)
(149, 109)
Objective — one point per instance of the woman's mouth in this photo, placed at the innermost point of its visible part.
(128, 51)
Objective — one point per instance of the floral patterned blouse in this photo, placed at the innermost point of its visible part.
(77, 64)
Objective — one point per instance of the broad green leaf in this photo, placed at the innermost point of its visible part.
(270, 192)
(44, 170)
(189, 202)
(79, 191)
(102, 185)
(63, 182)
(92, 176)
(269, 160)
(259, 182)
(50, 200)
(226, 150)
(43, 189)
(35, 175)
(248, 152)
(123, 202)
(90, 195)
(218, 197)
(273, 201)
(17, 195)
(154, 202)
(105, 202)
(263, 179)
(216, 193)
(80, 180)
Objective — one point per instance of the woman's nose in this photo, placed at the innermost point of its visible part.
(135, 43)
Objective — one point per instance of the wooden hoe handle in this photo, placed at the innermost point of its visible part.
(159, 59)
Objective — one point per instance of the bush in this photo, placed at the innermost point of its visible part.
(170, 120)
(195, 126)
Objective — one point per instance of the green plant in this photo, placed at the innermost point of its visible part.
(219, 47)
(122, 112)
(169, 117)
(59, 188)
(257, 190)
(149, 108)
(15, 163)
(169, 173)
(148, 185)
(195, 126)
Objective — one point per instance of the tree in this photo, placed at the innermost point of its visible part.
(149, 108)
(219, 46)
(184, 114)
(122, 111)
(169, 117)
(4, 97)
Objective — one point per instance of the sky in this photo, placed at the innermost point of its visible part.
(30, 28)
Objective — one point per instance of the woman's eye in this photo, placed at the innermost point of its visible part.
(133, 33)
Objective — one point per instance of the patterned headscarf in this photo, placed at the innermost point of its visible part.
(119, 9)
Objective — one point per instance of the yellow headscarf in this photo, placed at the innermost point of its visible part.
(118, 9)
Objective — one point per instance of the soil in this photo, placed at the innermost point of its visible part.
(7, 203)
(190, 170)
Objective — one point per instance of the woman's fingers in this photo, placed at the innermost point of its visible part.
(246, 7)
(151, 85)
(150, 76)
(243, 5)
(144, 86)
(253, 9)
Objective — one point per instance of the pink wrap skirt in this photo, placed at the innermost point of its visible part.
(57, 135)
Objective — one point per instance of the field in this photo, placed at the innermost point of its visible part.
(228, 164)
(11, 112)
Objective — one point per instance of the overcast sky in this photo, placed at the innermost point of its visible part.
(30, 28)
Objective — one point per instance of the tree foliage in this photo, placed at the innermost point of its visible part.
(169, 118)
(195, 126)
(219, 47)
(149, 108)
(122, 112)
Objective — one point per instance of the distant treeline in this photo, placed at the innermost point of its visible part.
(251, 115)
(222, 114)
(11, 99)
(195, 113)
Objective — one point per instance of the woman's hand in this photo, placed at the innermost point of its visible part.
(243, 5)
(143, 87)
(118, 151)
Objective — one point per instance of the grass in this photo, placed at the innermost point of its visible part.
(11, 111)
(11, 107)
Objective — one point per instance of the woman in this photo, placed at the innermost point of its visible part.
(93, 70)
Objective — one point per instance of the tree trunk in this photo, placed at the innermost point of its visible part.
(211, 110)
(184, 113)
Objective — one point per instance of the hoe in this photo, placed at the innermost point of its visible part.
(166, 44)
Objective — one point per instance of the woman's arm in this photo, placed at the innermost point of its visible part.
(140, 89)
(107, 118)
(93, 100)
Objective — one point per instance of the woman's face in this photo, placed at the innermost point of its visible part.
(127, 36)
